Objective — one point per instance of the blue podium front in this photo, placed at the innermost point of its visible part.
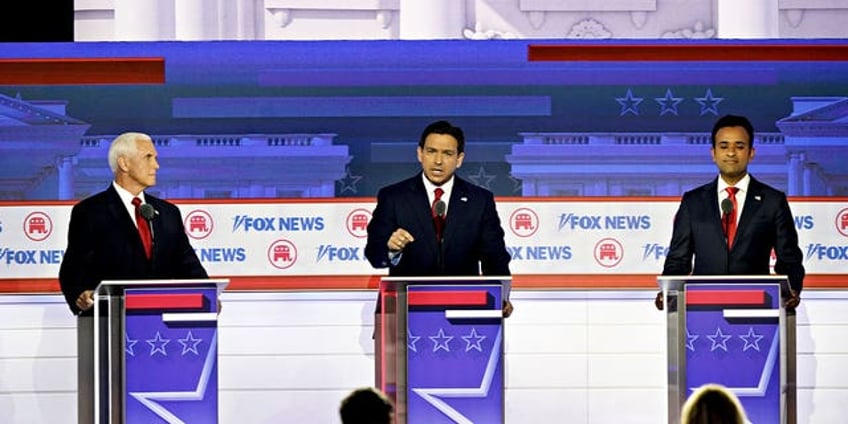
(442, 348)
(156, 351)
(732, 331)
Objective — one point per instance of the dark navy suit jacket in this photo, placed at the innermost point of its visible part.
(766, 223)
(104, 244)
(473, 240)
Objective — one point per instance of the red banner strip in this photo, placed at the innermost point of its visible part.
(726, 298)
(182, 301)
(448, 298)
(366, 282)
(82, 71)
(687, 53)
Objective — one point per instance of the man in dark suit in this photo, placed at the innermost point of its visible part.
(413, 234)
(731, 224)
(106, 241)
(403, 233)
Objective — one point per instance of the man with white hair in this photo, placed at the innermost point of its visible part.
(121, 233)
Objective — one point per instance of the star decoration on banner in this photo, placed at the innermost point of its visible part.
(411, 341)
(629, 104)
(157, 344)
(482, 179)
(130, 343)
(477, 339)
(440, 341)
(719, 340)
(668, 104)
(349, 181)
(690, 340)
(752, 340)
(190, 344)
(516, 184)
(709, 104)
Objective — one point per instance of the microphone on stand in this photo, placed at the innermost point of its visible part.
(148, 213)
(726, 209)
(440, 208)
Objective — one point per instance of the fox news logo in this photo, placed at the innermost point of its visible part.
(573, 221)
(823, 252)
(654, 251)
(247, 223)
(333, 254)
(30, 257)
(539, 253)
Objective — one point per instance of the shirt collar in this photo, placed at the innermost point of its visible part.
(742, 184)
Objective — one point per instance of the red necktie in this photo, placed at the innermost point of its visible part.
(143, 229)
(438, 221)
(731, 218)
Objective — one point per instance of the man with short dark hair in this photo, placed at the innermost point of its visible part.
(731, 224)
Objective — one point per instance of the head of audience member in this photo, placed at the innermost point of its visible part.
(133, 160)
(713, 404)
(366, 406)
(732, 147)
(441, 150)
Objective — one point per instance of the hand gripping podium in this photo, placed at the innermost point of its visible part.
(156, 351)
(439, 348)
(733, 331)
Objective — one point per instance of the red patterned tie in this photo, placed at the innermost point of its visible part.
(439, 221)
(731, 219)
(143, 229)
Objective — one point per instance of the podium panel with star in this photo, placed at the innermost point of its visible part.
(733, 331)
(157, 355)
(446, 339)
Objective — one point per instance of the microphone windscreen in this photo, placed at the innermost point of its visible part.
(726, 206)
(440, 208)
(147, 211)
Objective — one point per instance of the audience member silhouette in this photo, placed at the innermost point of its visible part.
(366, 406)
(713, 404)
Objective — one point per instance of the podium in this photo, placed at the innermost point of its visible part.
(439, 348)
(733, 331)
(155, 351)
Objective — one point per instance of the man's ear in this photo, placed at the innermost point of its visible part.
(123, 166)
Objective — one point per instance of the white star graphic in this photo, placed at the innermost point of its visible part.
(482, 179)
(709, 104)
(719, 340)
(690, 340)
(349, 181)
(434, 395)
(190, 344)
(629, 104)
(130, 343)
(477, 339)
(157, 344)
(412, 340)
(440, 341)
(668, 104)
(149, 399)
(752, 340)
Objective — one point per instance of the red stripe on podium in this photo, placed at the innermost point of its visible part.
(726, 298)
(183, 301)
(76, 71)
(448, 298)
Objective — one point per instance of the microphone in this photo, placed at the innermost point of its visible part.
(148, 213)
(440, 207)
(726, 209)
